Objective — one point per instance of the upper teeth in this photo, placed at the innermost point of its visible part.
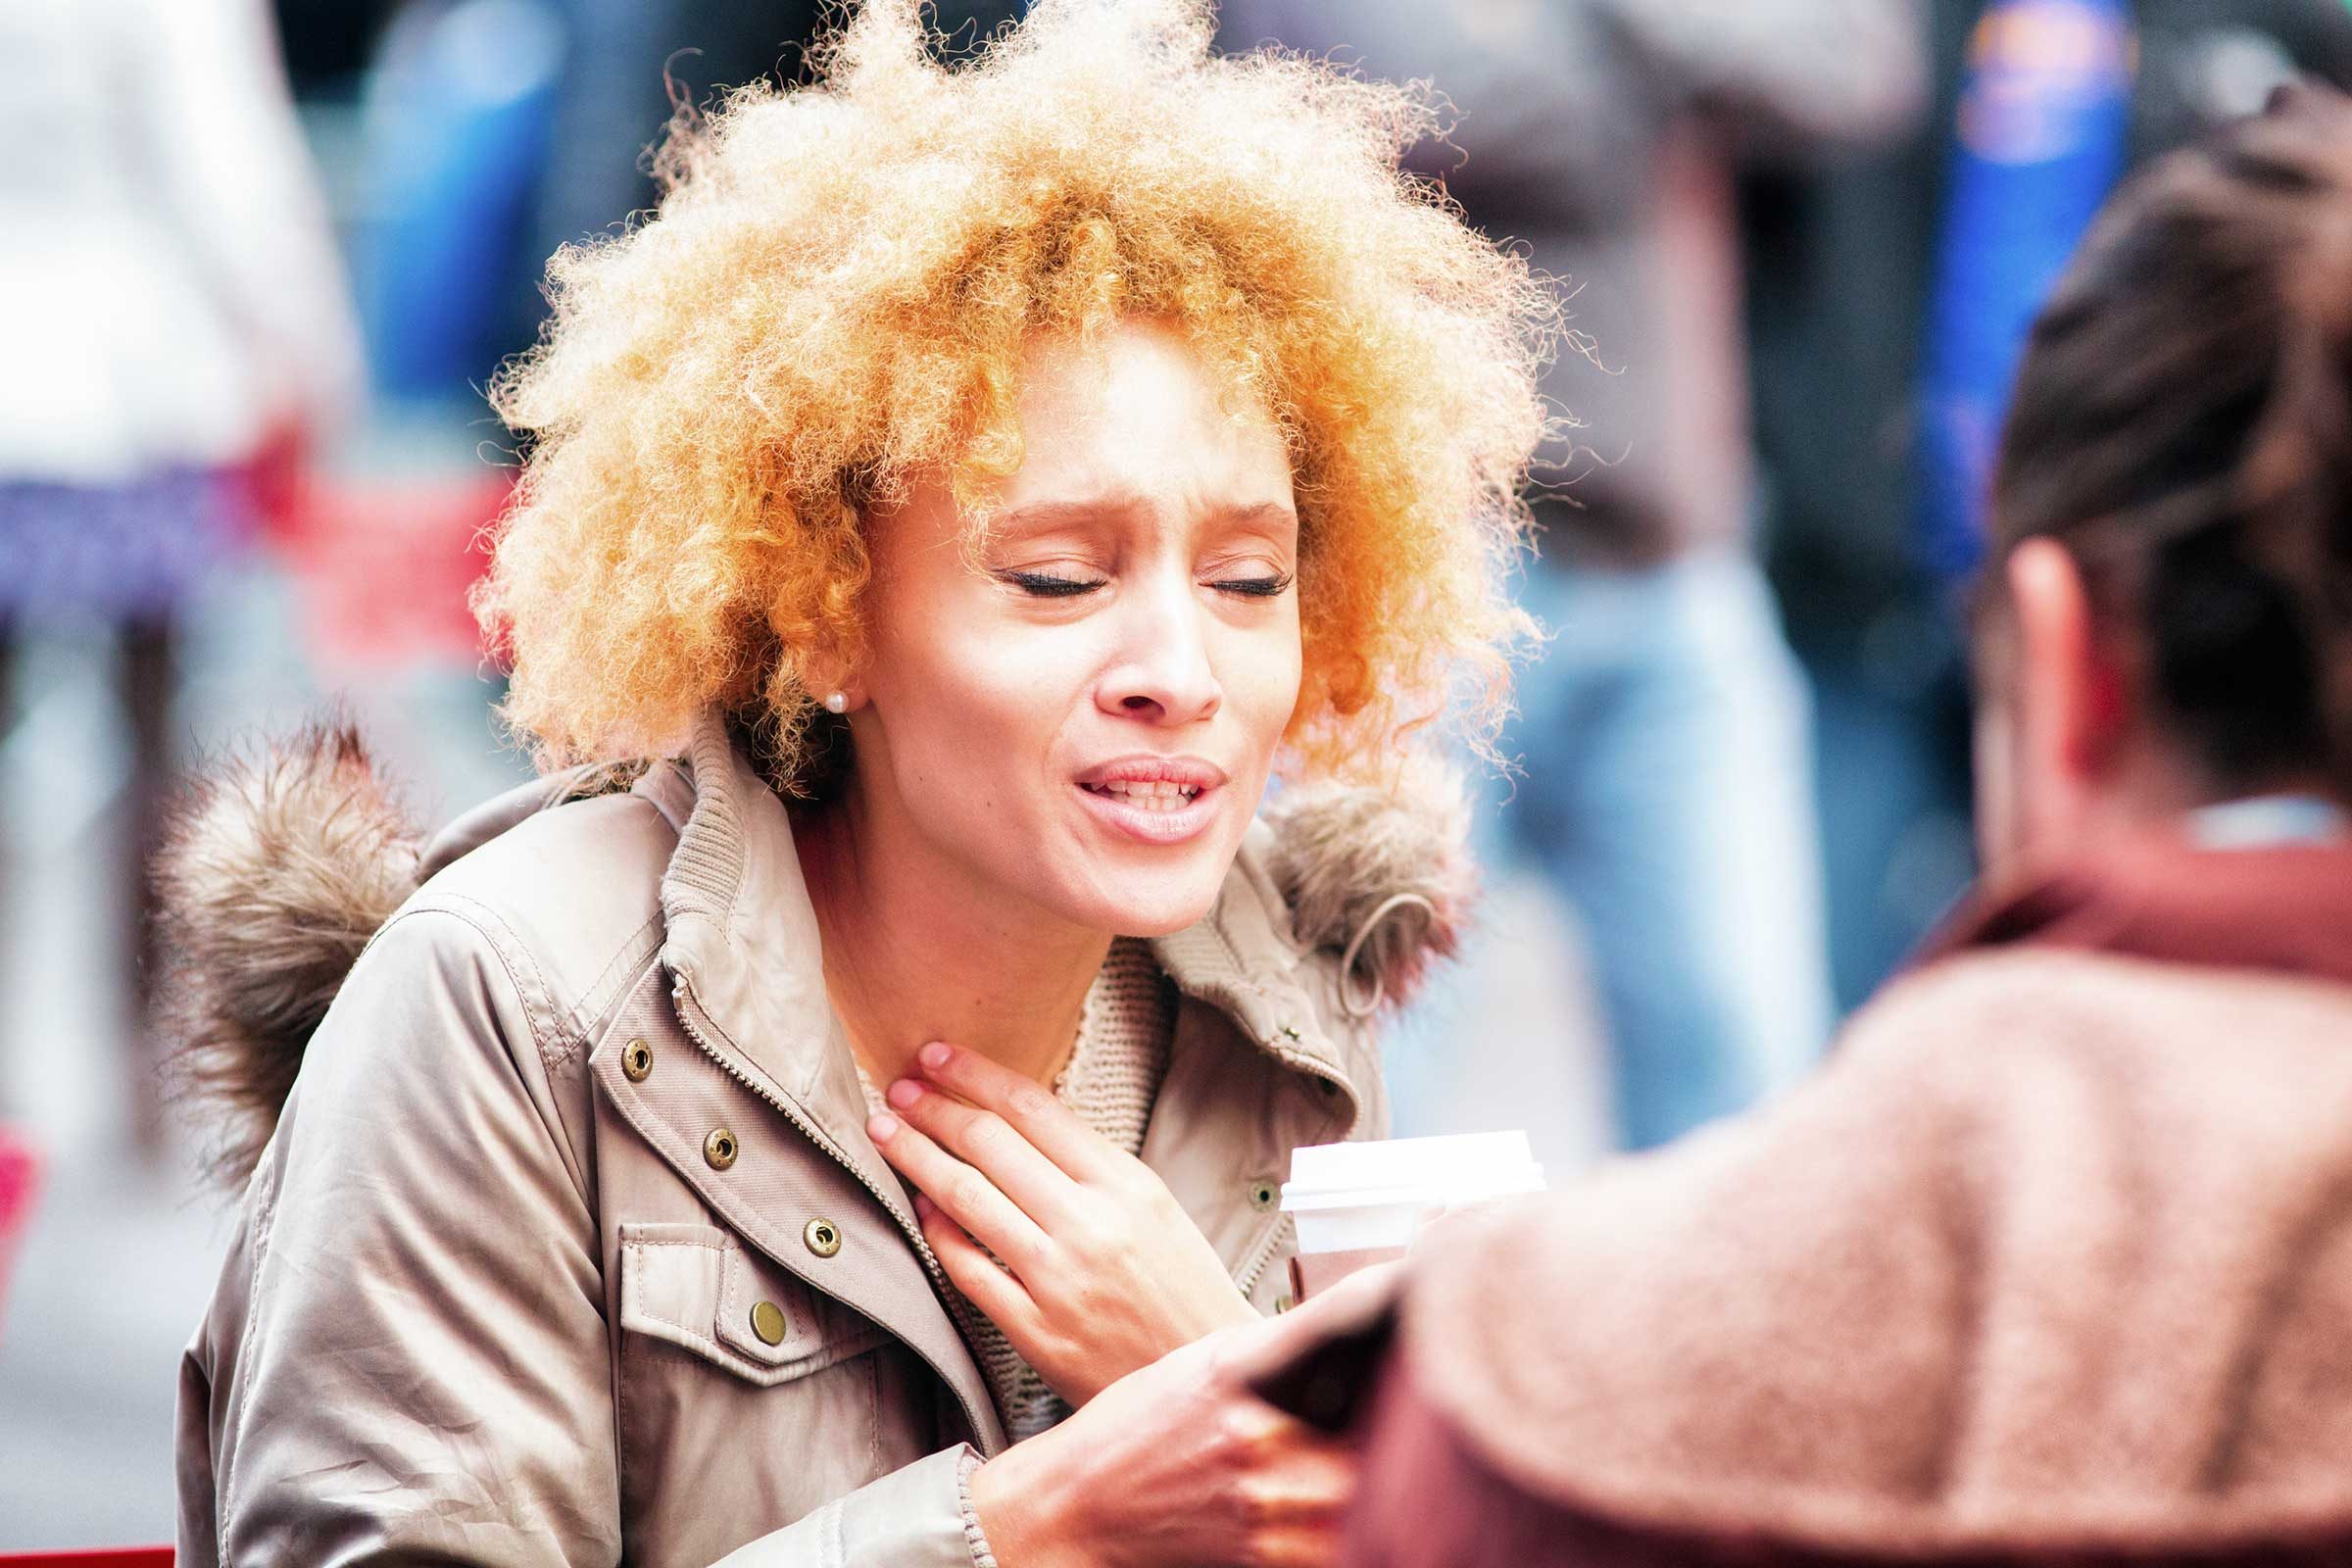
(1156, 793)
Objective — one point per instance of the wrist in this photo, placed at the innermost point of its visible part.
(1234, 1310)
(1021, 1511)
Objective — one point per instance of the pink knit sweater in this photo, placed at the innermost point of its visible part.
(2051, 1263)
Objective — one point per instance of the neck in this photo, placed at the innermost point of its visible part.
(913, 953)
(2162, 802)
(2161, 794)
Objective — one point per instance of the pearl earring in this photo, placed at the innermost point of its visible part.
(837, 702)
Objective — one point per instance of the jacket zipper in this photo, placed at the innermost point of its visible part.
(689, 1012)
(1260, 1253)
(1269, 1242)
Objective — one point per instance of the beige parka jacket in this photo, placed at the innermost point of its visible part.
(569, 1246)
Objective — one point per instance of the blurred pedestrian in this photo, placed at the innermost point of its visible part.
(1664, 734)
(631, 66)
(2051, 1263)
(1888, 298)
(178, 330)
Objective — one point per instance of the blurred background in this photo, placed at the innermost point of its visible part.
(258, 259)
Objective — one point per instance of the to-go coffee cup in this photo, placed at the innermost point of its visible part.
(1357, 1205)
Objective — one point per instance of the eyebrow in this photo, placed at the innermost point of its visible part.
(1047, 514)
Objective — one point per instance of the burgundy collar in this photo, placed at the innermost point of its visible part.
(2285, 909)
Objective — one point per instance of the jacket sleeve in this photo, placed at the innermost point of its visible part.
(407, 1358)
(1787, 77)
(1556, 109)
(917, 1517)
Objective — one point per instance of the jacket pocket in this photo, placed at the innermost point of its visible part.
(700, 1287)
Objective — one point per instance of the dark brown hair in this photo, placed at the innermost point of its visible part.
(2183, 425)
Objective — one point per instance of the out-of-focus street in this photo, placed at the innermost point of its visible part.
(126, 1242)
(1796, 260)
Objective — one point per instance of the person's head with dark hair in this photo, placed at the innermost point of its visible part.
(2169, 620)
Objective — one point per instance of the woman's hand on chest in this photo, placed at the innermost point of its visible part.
(1106, 1271)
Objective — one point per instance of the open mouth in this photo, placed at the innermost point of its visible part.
(1156, 795)
(1154, 799)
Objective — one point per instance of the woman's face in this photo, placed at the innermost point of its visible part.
(1084, 718)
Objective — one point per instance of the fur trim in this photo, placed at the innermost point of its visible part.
(280, 864)
(1380, 876)
(276, 868)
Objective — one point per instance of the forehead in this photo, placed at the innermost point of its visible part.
(1138, 410)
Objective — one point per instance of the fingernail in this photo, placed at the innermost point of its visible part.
(882, 1128)
(935, 1054)
(906, 1092)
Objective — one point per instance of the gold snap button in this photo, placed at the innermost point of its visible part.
(767, 1321)
(823, 1237)
(637, 1061)
(719, 1148)
(1264, 1196)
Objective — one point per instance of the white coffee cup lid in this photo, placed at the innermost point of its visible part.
(1459, 1168)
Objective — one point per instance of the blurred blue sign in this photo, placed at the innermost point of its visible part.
(2039, 142)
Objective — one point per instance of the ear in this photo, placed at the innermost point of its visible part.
(2067, 700)
(822, 674)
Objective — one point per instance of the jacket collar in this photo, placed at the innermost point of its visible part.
(2284, 907)
(742, 936)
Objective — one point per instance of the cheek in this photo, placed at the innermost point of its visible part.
(1261, 678)
(978, 708)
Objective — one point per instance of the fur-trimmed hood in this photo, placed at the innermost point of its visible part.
(284, 858)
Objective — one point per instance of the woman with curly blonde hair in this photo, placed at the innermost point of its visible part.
(838, 1133)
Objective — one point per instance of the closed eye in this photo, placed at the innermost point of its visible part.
(1256, 587)
(1047, 585)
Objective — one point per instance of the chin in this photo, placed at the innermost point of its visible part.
(1159, 920)
(1153, 903)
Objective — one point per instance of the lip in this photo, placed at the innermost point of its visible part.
(1144, 767)
(1154, 827)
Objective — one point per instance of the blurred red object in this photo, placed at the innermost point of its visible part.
(275, 479)
(383, 568)
(20, 1183)
(111, 1557)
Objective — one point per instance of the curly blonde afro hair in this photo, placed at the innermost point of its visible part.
(834, 295)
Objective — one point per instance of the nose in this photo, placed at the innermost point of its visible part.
(1162, 672)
